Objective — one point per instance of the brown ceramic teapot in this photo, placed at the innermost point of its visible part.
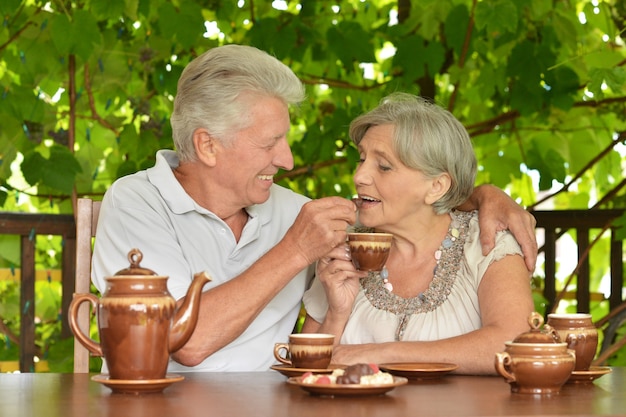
(138, 322)
(536, 362)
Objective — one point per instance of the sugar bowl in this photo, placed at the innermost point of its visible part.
(536, 362)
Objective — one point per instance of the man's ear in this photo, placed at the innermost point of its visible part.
(439, 187)
(205, 146)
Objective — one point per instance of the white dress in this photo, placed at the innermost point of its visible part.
(449, 307)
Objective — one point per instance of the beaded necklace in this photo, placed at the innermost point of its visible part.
(451, 236)
(448, 264)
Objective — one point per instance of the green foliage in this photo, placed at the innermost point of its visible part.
(52, 348)
(47, 307)
(541, 90)
(86, 89)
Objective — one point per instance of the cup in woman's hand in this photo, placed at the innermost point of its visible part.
(369, 251)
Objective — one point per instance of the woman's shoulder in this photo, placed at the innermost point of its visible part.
(505, 243)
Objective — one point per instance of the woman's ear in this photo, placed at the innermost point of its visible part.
(439, 187)
(205, 146)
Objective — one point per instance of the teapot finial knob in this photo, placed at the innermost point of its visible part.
(134, 257)
(535, 320)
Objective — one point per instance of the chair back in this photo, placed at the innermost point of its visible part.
(87, 212)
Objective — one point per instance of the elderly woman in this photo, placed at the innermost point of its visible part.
(438, 298)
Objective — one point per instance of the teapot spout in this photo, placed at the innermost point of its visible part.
(186, 317)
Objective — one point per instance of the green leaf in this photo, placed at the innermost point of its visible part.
(505, 166)
(33, 167)
(106, 9)
(60, 169)
(57, 172)
(269, 35)
(184, 24)
(564, 28)
(455, 27)
(496, 17)
(78, 36)
(548, 162)
(616, 79)
(9, 7)
(23, 105)
(125, 168)
(410, 57)
(434, 55)
(526, 98)
(562, 84)
(350, 43)
(10, 295)
(47, 296)
(10, 249)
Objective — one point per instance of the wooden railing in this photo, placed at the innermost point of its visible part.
(555, 223)
(28, 226)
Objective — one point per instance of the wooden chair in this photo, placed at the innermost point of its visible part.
(87, 212)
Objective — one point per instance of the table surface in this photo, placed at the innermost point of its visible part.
(268, 394)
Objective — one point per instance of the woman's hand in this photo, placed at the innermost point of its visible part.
(340, 280)
(361, 353)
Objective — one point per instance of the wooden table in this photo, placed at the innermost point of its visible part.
(268, 394)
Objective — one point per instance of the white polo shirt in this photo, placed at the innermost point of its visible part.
(150, 210)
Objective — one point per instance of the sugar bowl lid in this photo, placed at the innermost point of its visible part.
(536, 333)
(134, 257)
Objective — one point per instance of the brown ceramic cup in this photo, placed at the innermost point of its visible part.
(369, 251)
(306, 350)
(580, 334)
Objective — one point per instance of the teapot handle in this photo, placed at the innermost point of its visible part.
(503, 359)
(91, 345)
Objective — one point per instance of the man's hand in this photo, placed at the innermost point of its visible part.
(321, 226)
(497, 211)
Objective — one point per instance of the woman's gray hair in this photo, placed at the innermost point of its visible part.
(427, 138)
(209, 88)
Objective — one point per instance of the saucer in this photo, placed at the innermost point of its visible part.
(137, 386)
(584, 377)
(417, 370)
(290, 371)
(347, 390)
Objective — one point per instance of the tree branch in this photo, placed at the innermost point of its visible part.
(316, 80)
(20, 30)
(92, 103)
(5, 329)
(308, 169)
(464, 50)
(620, 138)
(609, 196)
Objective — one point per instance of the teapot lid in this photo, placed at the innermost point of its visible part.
(536, 334)
(134, 257)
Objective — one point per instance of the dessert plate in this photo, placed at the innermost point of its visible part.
(347, 390)
(137, 386)
(290, 371)
(583, 377)
(418, 370)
